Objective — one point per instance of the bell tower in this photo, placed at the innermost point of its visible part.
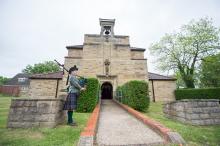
(107, 27)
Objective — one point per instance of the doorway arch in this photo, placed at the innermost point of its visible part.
(106, 91)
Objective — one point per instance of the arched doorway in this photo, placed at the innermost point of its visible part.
(106, 90)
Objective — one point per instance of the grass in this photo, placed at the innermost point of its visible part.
(62, 135)
(193, 135)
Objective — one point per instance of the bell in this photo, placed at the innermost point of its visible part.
(107, 32)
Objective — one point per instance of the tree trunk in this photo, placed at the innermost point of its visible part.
(189, 82)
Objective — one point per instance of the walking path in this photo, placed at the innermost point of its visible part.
(117, 127)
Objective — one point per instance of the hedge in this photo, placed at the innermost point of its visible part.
(134, 94)
(204, 93)
(89, 98)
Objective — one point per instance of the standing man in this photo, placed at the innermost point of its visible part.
(73, 93)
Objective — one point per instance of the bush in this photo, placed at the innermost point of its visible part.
(89, 98)
(135, 94)
(206, 93)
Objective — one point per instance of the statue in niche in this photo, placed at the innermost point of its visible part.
(107, 63)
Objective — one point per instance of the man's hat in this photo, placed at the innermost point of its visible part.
(73, 69)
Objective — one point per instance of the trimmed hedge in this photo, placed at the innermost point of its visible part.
(205, 93)
(89, 98)
(134, 94)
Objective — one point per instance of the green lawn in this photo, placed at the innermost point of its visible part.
(62, 135)
(193, 135)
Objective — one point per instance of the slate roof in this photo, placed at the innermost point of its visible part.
(14, 80)
(56, 75)
(154, 76)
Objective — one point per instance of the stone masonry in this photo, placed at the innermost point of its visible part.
(163, 90)
(194, 111)
(26, 113)
(45, 88)
(126, 62)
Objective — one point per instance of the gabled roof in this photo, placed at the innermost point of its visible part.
(14, 80)
(154, 76)
(55, 75)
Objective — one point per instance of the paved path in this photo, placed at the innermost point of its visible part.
(117, 127)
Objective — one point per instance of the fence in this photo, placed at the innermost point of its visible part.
(11, 90)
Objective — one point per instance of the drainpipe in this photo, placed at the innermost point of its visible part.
(153, 90)
(57, 88)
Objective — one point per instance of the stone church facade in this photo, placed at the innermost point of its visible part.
(108, 57)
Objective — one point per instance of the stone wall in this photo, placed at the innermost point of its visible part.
(26, 113)
(195, 112)
(125, 65)
(163, 90)
(137, 55)
(44, 88)
(75, 53)
(24, 90)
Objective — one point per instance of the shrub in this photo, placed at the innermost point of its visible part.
(89, 98)
(135, 94)
(206, 93)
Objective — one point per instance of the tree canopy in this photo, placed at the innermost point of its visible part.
(210, 71)
(45, 67)
(182, 51)
(3, 80)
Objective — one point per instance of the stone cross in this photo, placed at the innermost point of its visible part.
(107, 63)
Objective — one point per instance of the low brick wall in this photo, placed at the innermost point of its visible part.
(194, 111)
(168, 135)
(26, 113)
(87, 136)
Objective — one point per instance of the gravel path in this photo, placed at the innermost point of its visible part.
(117, 127)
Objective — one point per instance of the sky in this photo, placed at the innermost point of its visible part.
(33, 31)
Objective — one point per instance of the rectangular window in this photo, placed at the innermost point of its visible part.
(20, 80)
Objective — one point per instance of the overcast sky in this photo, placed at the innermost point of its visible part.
(33, 31)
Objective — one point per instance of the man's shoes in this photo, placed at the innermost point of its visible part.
(72, 124)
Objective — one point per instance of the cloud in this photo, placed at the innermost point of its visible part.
(36, 31)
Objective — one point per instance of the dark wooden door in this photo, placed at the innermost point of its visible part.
(107, 90)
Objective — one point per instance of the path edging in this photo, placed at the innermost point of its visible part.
(87, 136)
(166, 133)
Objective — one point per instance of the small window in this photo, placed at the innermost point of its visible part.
(20, 80)
(23, 88)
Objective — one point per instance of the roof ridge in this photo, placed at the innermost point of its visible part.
(47, 73)
(159, 75)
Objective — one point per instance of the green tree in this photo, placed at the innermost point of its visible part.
(179, 82)
(45, 67)
(3, 80)
(210, 71)
(182, 51)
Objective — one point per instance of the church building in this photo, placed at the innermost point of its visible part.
(111, 59)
